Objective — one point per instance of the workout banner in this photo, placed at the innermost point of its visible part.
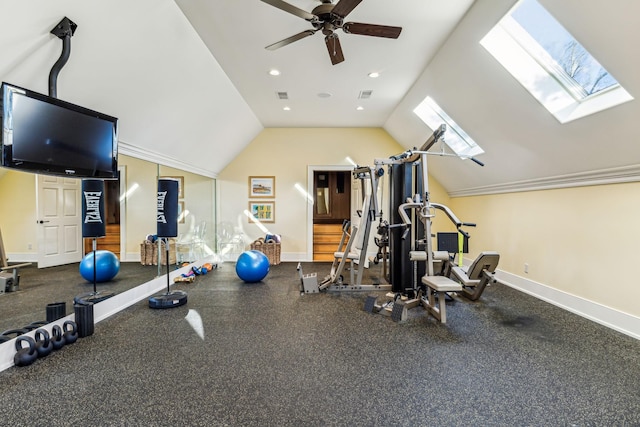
(167, 214)
(93, 224)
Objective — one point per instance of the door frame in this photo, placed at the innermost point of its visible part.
(310, 171)
(122, 172)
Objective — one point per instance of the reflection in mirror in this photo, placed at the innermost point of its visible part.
(131, 207)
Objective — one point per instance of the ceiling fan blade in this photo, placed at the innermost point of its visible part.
(344, 7)
(290, 40)
(371, 30)
(335, 50)
(292, 9)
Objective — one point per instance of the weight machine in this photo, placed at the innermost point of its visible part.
(419, 275)
(352, 249)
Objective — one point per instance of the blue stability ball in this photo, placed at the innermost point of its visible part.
(252, 266)
(107, 266)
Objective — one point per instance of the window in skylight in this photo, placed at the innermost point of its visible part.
(455, 137)
(551, 64)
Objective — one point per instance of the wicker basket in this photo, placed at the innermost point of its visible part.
(149, 253)
(270, 248)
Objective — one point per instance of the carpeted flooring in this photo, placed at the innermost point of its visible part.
(261, 354)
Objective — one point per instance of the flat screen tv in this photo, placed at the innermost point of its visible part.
(49, 136)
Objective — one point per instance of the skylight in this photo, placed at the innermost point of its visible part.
(551, 64)
(455, 137)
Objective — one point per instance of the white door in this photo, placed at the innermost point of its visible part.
(59, 224)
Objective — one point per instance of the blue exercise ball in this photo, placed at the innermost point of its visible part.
(107, 266)
(252, 266)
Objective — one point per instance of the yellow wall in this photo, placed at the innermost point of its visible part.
(18, 206)
(18, 212)
(581, 241)
(140, 209)
(286, 154)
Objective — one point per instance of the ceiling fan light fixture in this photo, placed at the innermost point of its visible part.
(286, 108)
(359, 108)
(274, 72)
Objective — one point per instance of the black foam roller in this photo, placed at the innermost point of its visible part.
(55, 311)
(84, 319)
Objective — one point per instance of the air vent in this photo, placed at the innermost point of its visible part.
(365, 94)
(282, 95)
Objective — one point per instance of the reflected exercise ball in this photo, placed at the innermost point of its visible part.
(107, 266)
(252, 266)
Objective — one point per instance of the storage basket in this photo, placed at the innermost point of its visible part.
(149, 253)
(270, 248)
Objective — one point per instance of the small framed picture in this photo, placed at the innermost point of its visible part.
(262, 186)
(181, 213)
(180, 185)
(262, 211)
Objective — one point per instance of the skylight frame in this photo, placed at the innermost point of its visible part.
(534, 68)
(455, 137)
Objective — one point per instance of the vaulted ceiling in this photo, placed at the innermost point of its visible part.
(189, 81)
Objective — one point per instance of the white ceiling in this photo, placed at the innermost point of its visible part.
(188, 80)
(237, 32)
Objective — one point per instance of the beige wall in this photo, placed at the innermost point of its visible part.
(18, 206)
(581, 241)
(286, 154)
(18, 213)
(140, 208)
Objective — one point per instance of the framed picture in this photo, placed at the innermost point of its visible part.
(262, 211)
(262, 186)
(180, 185)
(181, 212)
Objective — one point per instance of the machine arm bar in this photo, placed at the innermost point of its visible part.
(476, 161)
(412, 156)
(449, 213)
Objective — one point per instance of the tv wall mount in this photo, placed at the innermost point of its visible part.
(63, 30)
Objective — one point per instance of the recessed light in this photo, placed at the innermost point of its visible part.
(286, 108)
(359, 108)
(274, 72)
(374, 74)
(324, 95)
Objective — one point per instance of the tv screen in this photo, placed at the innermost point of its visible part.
(46, 135)
(448, 241)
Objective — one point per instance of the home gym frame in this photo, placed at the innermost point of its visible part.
(419, 275)
(352, 249)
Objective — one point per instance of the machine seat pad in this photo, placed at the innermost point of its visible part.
(352, 255)
(441, 284)
(460, 274)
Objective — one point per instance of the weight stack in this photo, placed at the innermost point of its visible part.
(55, 311)
(84, 319)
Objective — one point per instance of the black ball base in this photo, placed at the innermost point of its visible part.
(168, 300)
(92, 297)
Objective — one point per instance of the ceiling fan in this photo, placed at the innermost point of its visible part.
(328, 17)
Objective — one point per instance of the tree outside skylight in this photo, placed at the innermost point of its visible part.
(564, 50)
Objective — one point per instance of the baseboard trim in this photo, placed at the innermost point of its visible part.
(606, 316)
(15, 258)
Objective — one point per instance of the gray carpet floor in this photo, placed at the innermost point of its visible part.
(261, 354)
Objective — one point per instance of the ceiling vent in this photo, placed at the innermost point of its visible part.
(365, 94)
(282, 95)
